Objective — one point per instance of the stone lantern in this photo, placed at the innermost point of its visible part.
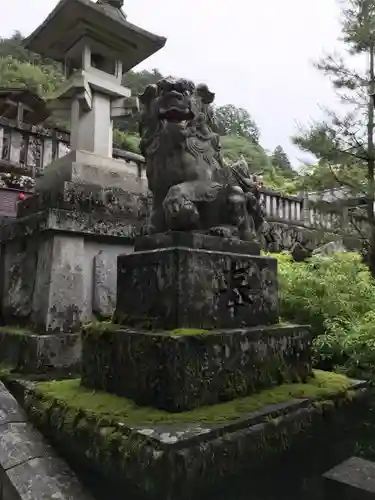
(97, 45)
(85, 212)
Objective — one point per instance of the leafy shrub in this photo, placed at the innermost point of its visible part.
(336, 296)
(128, 142)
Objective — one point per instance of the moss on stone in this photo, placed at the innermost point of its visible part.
(183, 332)
(6, 369)
(101, 405)
(100, 327)
(15, 330)
(103, 327)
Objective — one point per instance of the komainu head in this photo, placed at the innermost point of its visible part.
(176, 100)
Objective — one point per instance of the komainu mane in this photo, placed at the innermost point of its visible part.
(192, 188)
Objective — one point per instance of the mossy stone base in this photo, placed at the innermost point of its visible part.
(173, 458)
(178, 372)
(32, 353)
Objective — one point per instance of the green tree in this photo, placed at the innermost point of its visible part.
(231, 120)
(234, 146)
(126, 141)
(136, 81)
(346, 142)
(38, 78)
(281, 162)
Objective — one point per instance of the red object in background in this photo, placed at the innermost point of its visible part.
(21, 196)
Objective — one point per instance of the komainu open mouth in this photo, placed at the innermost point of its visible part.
(176, 114)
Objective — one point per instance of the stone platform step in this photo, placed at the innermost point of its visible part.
(185, 369)
(180, 459)
(29, 468)
(33, 353)
(353, 479)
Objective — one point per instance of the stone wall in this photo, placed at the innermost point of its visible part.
(58, 269)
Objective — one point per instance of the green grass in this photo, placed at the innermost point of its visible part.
(73, 396)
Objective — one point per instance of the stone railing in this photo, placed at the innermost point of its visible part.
(280, 207)
(299, 210)
(27, 150)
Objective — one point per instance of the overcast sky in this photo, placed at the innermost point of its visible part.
(256, 54)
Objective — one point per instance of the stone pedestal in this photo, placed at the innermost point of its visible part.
(57, 264)
(209, 287)
(177, 372)
(205, 314)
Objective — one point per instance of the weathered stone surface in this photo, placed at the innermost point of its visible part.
(354, 479)
(180, 287)
(58, 299)
(47, 278)
(330, 248)
(195, 241)
(18, 265)
(38, 353)
(85, 198)
(10, 411)
(45, 479)
(181, 461)
(82, 167)
(20, 442)
(74, 221)
(29, 469)
(105, 285)
(178, 373)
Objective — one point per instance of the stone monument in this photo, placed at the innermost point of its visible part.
(197, 316)
(59, 255)
(196, 321)
(197, 301)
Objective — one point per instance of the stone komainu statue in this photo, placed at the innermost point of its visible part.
(192, 189)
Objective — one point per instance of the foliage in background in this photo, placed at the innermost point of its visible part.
(236, 122)
(22, 68)
(128, 142)
(345, 140)
(240, 133)
(41, 80)
(336, 296)
(281, 163)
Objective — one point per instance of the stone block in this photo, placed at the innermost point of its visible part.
(105, 283)
(193, 288)
(193, 240)
(181, 372)
(29, 469)
(83, 167)
(45, 478)
(18, 272)
(197, 458)
(34, 353)
(20, 442)
(354, 479)
(58, 300)
(10, 410)
(84, 198)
